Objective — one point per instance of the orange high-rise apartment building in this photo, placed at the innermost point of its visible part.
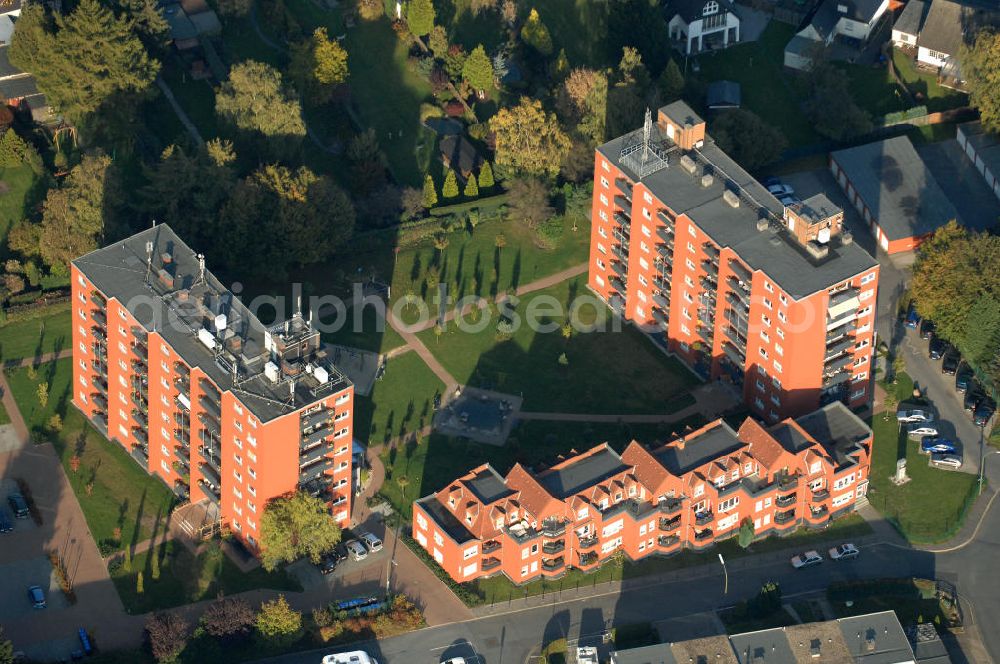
(687, 493)
(171, 365)
(776, 299)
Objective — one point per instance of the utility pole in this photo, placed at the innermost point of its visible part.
(725, 573)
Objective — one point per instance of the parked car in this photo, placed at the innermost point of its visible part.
(770, 181)
(327, 564)
(807, 559)
(844, 552)
(912, 318)
(963, 377)
(5, 523)
(926, 329)
(936, 445)
(949, 364)
(947, 460)
(357, 549)
(917, 430)
(778, 190)
(339, 553)
(788, 200)
(19, 505)
(371, 542)
(937, 348)
(37, 597)
(973, 396)
(983, 413)
(914, 415)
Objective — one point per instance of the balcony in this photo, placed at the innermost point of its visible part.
(316, 470)
(309, 439)
(617, 284)
(491, 546)
(711, 250)
(741, 288)
(99, 367)
(210, 405)
(101, 421)
(662, 280)
(183, 385)
(213, 460)
(617, 302)
(552, 548)
(666, 218)
(101, 386)
(183, 453)
(490, 563)
(521, 532)
(703, 518)
(841, 376)
(317, 487)
(211, 490)
(787, 482)
(315, 453)
(99, 333)
(739, 304)
(98, 299)
(620, 251)
(786, 500)
(711, 268)
(210, 474)
(587, 542)
(553, 527)
(839, 348)
(141, 454)
(661, 317)
(140, 417)
(588, 559)
(551, 565)
(820, 496)
(210, 424)
(840, 332)
(705, 332)
(140, 436)
(709, 285)
(670, 525)
(139, 350)
(667, 541)
(703, 535)
(209, 389)
(742, 273)
(100, 318)
(622, 202)
(619, 268)
(782, 518)
(99, 400)
(623, 220)
(819, 512)
(733, 353)
(210, 444)
(665, 251)
(666, 233)
(670, 505)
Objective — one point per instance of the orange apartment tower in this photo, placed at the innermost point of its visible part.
(687, 493)
(686, 245)
(172, 366)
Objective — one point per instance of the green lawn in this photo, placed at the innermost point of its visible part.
(4, 415)
(500, 588)
(874, 89)
(16, 200)
(197, 98)
(388, 94)
(608, 372)
(50, 331)
(185, 578)
(400, 403)
(924, 85)
(241, 42)
(470, 30)
(767, 90)
(932, 506)
(121, 495)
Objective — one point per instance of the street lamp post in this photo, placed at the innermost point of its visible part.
(725, 574)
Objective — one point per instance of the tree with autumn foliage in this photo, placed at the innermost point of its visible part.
(318, 65)
(295, 526)
(981, 68)
(529, 140)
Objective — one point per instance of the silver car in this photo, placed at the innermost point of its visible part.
(920, 429)
(373, 543)
(357, 549)
(914, 415)
(952, 461)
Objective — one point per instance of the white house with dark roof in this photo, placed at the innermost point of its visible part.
(938, 28)
(701, 25)
(849, 22)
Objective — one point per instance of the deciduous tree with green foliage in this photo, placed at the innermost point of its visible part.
(430, 192)
(478, 69)
(534, 33)
(748, 139)
(75, 216)
(529, 202)
(450, 188)
(529, 140)
(278, 623)
(981, 68)
(228, 618)
(6, 649)
(420, 17)
(255, 100)
(831, 106)
(295, 526)
(81, 60)
(318, 65)
(234, 7)
(15, 151)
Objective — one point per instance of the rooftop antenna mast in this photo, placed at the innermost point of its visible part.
(201, 268)
(149, 259)
(647, 130)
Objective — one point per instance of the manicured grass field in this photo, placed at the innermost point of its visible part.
(120, 494)
(936, 97)
(186, 578)
(767, 90)
(500, 589)
(874, 89)
(15, 202)
(51, 331)
(932, 506)
(399, 402)
(608, 371)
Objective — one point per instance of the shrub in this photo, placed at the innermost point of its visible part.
(167, 634)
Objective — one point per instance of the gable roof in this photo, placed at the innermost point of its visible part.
(459, 153)
(692, 10)
(911, 19)
(645, 466)
(948, 24)
(582, 471)
(837, 429)
(876, 638)
(486, 484)
(768, 451)
(532, 495)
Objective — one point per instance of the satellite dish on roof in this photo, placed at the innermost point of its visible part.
(823, 236)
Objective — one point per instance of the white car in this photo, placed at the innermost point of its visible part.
(920, 429)
(952, 461)
(844, 552)
(357, 549)
(354, 657)
(779, 190)
(371, 542)
(914, 415)
(807, 559)
(454, 660)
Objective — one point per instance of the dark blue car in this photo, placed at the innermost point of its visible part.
(936, 445)
(912, 319)
(5, 525)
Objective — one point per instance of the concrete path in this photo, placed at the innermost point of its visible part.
(418, 346)
(178, 111)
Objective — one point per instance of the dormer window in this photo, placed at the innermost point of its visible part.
(711, 7)
(842, 9)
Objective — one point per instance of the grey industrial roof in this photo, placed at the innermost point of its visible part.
(582, 473)
(911, 19)
(655, 654)
(775, 252)
(692, 9)
(488, 486)
(445, 520)
(898, 188)
(948, 24)
(179, 311)
(723, 94)
(768, 645)
(927, 645)
(876, 638)
(699, 450)
(818, 641)
(816, 208)
(836, 428)
(986, 146)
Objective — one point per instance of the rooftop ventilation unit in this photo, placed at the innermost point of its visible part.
(220, 322)
(762, 224)
(817, 250)
(271, 372)
(321, 375)
(731, 198)
(205, 337)
(847, 237)
(707, 180)
(687, 163)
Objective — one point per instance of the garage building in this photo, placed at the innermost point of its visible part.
(983, 150)
(893, 191)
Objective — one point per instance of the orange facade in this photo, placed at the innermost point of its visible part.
(205, 441)
(686, 493)
(715, 282)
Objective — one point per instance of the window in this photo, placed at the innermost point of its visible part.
(765, 337)
(604, 165)
(777, 366)
(342, 415)
(782, 317)
(768, 287)
(690, 247)
(778, 349)
(604, 182)
(767, 303)
(238, 459)
(236, 474)
(763, 352)
(644, 247)
(861, 376)
(688, 298)
(866, 295)
(600, 264)
(868, 278)
(238, 425)
(582, 513)
(765, 320)
(252, 473)
(689, 281)
(691, 231)
(644, 228)
(782, 298)
(643, 281)
(639, 312)
(780, 332)
(648, 215)
(728, 504)
(603, 215)
(604, 199)
(641, 295)
(646, 196)
(237, 493)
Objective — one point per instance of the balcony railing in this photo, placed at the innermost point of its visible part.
(786, 500)
(491, 546)
(841, 376)
(619, 268)
(588, 559)
(670, 505)
(211, 491)
(666, 541)
(820, 512)
(620, 251)
(490, 563)
(617, 284)
(553, 527)
(787, 483)
(623, 202)
(552, 548)
(98, 299)
(550, 565)
(210, 405)
(588, 542)
(665, 217)
(703, 518)
(100, 318)
(210, 423)
(742, 273)
(623, 220)
(316, 470)
(665, 250)
(784, 517)
(820, 496)
(840, 332)
(315, 453)
(670, 525)
(710, 267)
(661, 317)
(666, 233)
(703, 535)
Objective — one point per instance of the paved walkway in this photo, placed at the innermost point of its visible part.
(178, 111)
(418, 346)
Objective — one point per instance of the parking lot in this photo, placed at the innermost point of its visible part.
(351, 578)
(16, 577)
